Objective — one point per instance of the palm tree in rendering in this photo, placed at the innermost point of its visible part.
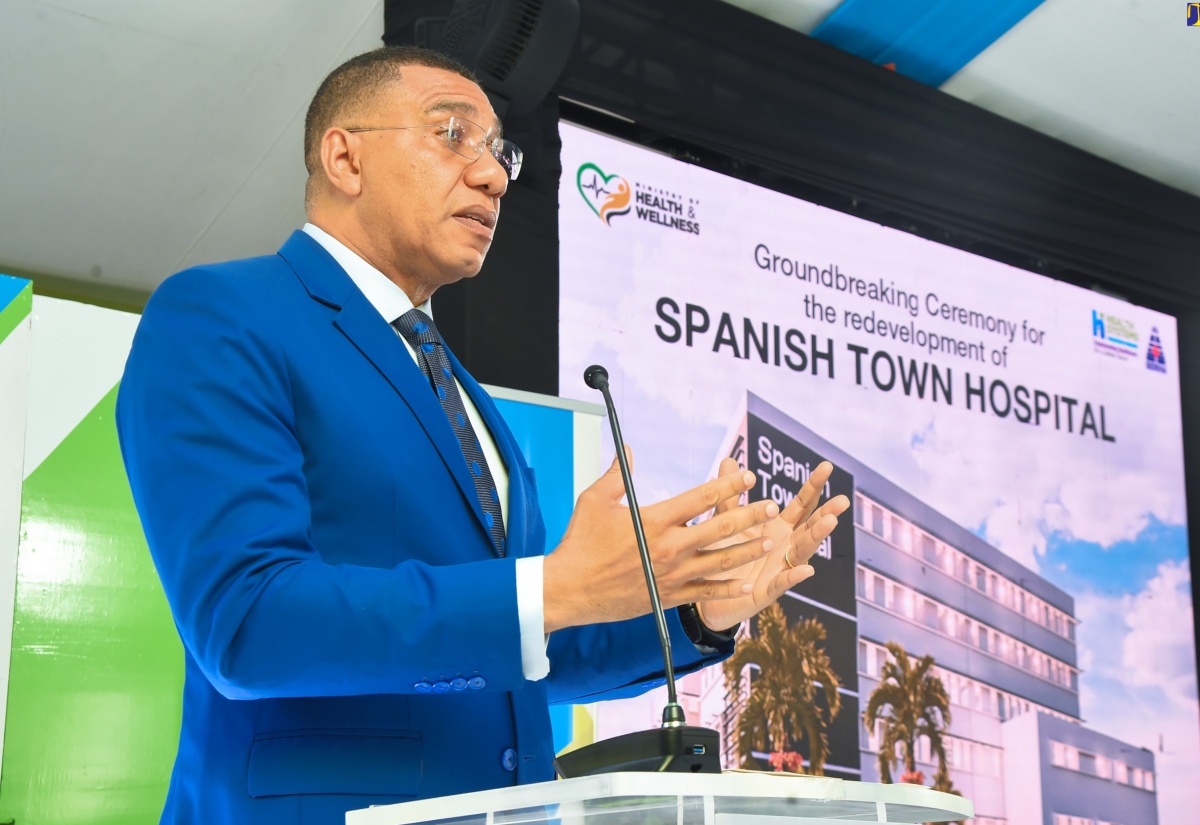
(942, 782)
(782, 708)
(911, 702)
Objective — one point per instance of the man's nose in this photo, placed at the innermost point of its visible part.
(487, 173)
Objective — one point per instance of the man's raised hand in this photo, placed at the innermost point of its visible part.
(795, 535)
(595, 574)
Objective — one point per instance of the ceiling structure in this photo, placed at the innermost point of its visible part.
(138, 137)
(1105, 76)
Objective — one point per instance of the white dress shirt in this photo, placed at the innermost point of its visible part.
(391, 302)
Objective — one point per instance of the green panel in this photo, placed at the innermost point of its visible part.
(16, 311)
(97, 668)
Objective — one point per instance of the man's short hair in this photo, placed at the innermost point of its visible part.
(353, 86)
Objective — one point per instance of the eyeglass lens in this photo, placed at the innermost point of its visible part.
(470, 139)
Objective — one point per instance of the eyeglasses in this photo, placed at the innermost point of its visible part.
(469, 140)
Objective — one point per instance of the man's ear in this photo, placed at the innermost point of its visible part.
(340, 158)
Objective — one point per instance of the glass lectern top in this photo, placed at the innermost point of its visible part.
(736, 798)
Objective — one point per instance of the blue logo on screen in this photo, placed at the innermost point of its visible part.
(1193, 14)
(1113, 335)
(1155, 360)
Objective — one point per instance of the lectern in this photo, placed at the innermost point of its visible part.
(734, 798)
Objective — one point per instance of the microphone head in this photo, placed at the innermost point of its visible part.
(596, 377)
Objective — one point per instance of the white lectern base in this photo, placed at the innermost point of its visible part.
(680, 799)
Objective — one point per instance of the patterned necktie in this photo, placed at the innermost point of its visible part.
(418, 330)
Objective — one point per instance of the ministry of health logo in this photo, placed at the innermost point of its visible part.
(609, 196)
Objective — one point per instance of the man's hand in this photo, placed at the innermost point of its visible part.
(796, 533)
(595, 574)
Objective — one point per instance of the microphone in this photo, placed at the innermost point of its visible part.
(676, 746)
(596, 377)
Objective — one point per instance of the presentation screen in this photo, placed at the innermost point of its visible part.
(1014, 567)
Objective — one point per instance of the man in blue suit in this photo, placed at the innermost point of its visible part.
(346, 532)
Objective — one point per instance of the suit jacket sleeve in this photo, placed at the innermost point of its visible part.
(619, 659)
(207, 419)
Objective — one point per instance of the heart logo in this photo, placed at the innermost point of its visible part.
(606, 195)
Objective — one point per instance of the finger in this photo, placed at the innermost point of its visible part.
(809, 496)
(834, 507)
(737, 561)
(789, 578)
(723, 574)
(728, 466)
(752, 570)
(728, 524)
(686, 506)
(611, 485)
(806, 541)
(796, 512)
(704, 590)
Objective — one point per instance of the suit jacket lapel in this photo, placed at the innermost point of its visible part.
(377, 341)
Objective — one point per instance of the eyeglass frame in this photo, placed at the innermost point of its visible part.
(488, 143)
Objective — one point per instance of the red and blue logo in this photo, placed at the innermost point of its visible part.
(1155, 360)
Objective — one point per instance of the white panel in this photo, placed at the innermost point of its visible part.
(269, 203)
(987, 793)
(800, 15)
(140, 137)
(587, 427)
(1022, 767)
(553, 402)
(1109, 76)
(14, 385)
(79, 353)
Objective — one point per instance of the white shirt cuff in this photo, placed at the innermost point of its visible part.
(532, 618)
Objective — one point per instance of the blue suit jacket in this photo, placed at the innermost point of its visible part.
(323, 551)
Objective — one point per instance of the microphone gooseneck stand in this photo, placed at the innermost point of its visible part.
(676, 746)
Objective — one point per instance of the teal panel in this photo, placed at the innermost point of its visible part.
(547, 438)
(562, 725)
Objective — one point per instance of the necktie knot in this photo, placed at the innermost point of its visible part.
(418, 330)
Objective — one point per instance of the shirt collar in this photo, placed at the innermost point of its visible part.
(389, 300)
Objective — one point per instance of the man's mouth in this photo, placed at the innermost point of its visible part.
(478, 219)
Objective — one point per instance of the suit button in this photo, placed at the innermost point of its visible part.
(476, 683)
(458, 684)
(508, 759)
(422, 687)
(441, 687)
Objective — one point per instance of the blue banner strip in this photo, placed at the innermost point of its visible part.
(927, 40)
